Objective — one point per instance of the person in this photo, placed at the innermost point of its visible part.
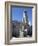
(25, 32)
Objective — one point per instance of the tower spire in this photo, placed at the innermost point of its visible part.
(25, 17)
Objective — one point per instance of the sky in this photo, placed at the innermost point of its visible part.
(17, 13)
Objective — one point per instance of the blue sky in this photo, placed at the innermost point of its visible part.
(17, 13)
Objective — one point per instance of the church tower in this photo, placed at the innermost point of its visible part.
(25, 17)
